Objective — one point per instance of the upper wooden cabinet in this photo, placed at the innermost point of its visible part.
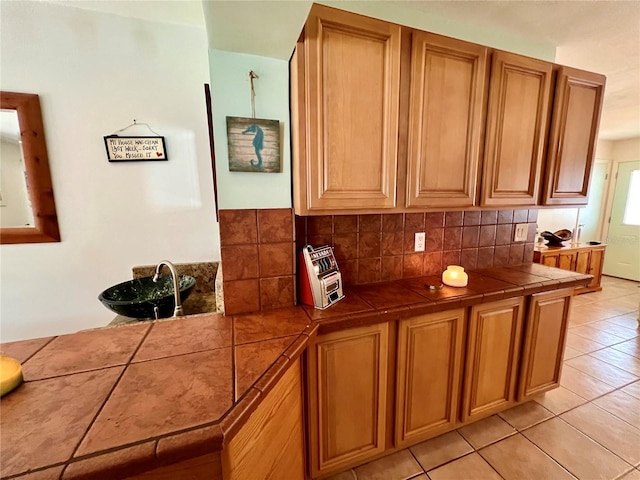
(389, 118)
(448, 92)
(573, 135)
(516, 129)
(345, 93)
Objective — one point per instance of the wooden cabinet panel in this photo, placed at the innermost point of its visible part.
(572, 141)
(567, 261)
(579, 258)
(582, 261)
(347, 397)
(519, 95)
(430, 349)
(271, 443)
(349, 112)
(545, 337)
(448, 91)
(493, 352)
(596, 260)
(549, 260)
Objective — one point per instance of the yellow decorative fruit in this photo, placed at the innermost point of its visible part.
(10, 374)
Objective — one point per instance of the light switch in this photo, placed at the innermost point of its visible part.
(521, 232)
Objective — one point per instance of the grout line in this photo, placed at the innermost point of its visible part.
(596, 442)
(108, 396)
(417, 461)
(613, 414)
(234, 389)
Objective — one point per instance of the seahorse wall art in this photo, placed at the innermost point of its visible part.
(254, 145)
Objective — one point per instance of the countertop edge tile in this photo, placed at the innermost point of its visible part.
(399, 312)
(294, 350)
(270, 377)
(336, 324)
(311, 330)
(238, 415)
(191, 444)
(121, 463)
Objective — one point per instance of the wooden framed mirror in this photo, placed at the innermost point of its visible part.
(39, 190)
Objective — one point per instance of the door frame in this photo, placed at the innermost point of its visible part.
(610, 190)
(607, 200)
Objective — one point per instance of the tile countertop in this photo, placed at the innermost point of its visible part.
(115, 402)
(566, 246)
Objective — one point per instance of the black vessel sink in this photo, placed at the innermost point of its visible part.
(137, 298)
(555, 239)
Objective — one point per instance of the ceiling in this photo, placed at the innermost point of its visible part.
(600, 36)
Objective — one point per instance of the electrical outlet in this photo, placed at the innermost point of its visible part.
(419, 242)
(521, 232)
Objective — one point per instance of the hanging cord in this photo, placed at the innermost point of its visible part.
(135, 124)
(253, 75)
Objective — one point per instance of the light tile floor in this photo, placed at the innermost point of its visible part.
(588, 428)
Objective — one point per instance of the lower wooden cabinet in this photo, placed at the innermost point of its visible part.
(394, 384)
(493, 353)
(590, 261)
(271, 443)
(347, 393)
(429, 370)
(576, 258)
(544, 341)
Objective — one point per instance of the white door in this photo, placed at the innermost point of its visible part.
(591, 215)
(622, 258)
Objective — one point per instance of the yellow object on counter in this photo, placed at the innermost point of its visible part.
(455, 276)
(10, 374)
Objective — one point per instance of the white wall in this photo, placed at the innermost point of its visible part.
(476, 32)
(231, 96)
(627, 150)
(95, 73)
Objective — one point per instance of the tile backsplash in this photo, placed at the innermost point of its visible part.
(380, 247)
(258, 248)
(258, 257)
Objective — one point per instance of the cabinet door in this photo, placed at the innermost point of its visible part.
(550, 260)
(596, 259)
(572, 141)
(493, 350)
(352, 85)
(545, 337)
(428, 376)
(582, 261)
(448, 84)
(567, 261)
(519, 97)
(347, 397)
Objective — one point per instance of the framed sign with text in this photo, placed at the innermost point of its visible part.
(135, 149)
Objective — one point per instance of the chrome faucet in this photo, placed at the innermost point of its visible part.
(177, 311)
